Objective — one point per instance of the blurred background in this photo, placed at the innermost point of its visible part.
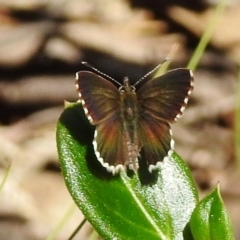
(42, 44)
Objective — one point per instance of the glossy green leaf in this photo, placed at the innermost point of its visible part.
(210, 220)
(126, 206)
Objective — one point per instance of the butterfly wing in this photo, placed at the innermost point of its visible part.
(109, 145)
(156, 139)
(166, 97)
(100, 100)
(161, 101)
(99, 97)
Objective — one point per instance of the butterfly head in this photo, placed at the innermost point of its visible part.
(126, 87)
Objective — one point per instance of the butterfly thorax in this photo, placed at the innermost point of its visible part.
(129, 118)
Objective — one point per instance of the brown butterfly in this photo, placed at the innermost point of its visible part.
(132, 123)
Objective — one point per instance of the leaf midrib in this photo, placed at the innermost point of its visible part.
(141, 206)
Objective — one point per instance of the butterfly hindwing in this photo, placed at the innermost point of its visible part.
(109, 145)
(156, 138)
(165, 97)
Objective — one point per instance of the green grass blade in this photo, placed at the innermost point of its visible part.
(205, 39)
(62, 222)
(5, 177)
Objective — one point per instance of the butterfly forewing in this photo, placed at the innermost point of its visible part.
(165, 97)
(100, 98)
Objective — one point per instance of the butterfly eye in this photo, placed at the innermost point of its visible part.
(122, 89)
(133, 89)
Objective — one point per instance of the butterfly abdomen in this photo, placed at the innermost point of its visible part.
(130, 121)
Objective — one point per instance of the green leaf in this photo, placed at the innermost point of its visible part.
(126, 206)
(210, 220)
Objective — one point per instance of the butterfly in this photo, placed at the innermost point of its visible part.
(133, 121)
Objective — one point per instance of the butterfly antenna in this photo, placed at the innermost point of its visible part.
(149, 73)
(101, 73)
